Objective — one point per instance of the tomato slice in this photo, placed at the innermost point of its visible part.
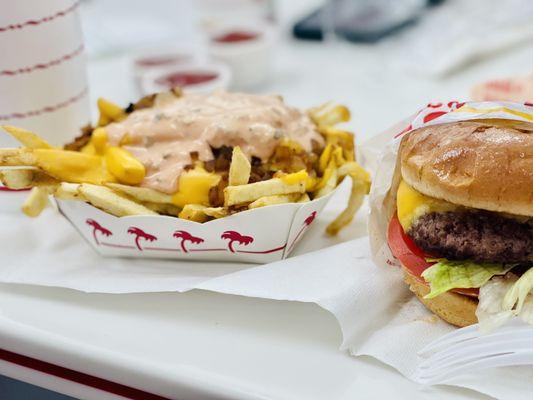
(411, 256)
(405, 250)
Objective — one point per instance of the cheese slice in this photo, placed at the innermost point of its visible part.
(412, 204)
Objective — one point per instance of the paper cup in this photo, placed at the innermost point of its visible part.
(256, 236)
(43, 81)
(388, 143)
(250, 60)
(145, 60)
(43, 69)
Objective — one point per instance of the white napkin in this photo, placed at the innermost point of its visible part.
(376, 312)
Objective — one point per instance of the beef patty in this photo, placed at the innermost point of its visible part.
(477, 235)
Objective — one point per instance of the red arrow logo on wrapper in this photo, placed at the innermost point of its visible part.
(186, 237)
(98, 228)
(141, 235)
(233, 237)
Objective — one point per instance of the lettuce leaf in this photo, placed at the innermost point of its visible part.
(490, 312)
(502, 298)
(446, 275)
(517, 294)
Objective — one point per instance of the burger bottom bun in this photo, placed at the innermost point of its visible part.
(454, 308)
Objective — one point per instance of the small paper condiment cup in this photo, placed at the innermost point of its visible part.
(211, 77)
(250, 60)
(154, 58)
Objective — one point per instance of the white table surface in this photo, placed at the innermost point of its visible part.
(206, 345)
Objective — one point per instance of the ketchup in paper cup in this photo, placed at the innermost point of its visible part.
(193, 78)
(247, 50)
(236, 36)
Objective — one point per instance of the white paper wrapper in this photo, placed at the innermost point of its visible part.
(389, 141)
(258, 236)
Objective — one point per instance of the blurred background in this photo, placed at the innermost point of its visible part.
(384, 59)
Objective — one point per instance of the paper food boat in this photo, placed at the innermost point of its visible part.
(260, 235)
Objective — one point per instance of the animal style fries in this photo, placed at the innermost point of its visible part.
(194, 157)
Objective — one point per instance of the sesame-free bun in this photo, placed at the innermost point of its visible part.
(486, 164)
(454, 308)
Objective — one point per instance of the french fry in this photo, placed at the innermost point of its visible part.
(216, 212)
(357, 195)
(295, 177)
(24, 178)
(111, 202)
(325, 157)
(304, 198)
(194, 212)
(167, 97)
(340, 138)
(99, 140)
(328, 115)
(142, 194)
(26, 138)
(123, 166)
(354, 169)
(328, 182)
(201, 213)
(37, 201)
(242, 194)
(162, 208)
(109, 112)
(360, 188)
(64, 165)
(338, 157)
(240, 168)
(68, 191)
(277, 199)
(17, 158)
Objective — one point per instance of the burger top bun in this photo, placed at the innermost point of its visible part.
(454, 308)
(486, 164)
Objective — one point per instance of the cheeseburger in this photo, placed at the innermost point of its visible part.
(463, 213)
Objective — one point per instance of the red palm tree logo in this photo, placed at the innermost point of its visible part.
(233, 236)
(309, 220)
(97, 228)
(140, 234)
(186, 237)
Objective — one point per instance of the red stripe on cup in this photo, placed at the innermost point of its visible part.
(35, 22)
(41, 66)
(47, 109)
(78, 377)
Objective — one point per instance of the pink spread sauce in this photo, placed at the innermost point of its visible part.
(163, 137)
